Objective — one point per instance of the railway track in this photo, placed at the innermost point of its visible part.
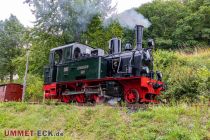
(119, 105)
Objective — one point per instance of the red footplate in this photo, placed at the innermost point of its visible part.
(135, 90)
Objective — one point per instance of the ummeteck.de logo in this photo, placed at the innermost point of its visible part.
(29, 133)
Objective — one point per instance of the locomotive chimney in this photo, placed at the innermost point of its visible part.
(139, 36)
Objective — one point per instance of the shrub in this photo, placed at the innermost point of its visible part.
(186, 78)
(185, 84)
(34, 90)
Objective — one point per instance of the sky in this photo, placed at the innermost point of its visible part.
(23, 13)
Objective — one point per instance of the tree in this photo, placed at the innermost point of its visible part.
(194, 29)
(164, 16)
(11, 33)
(178, 23)
(68, 18)
(94, 36)
(41, 43)
(59, 22)
(98, 36)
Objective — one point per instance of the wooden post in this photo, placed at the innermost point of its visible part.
(25, 76)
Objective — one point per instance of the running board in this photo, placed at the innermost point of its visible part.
(91, 92)
(73, 93)
(80, 92)
(88, 90)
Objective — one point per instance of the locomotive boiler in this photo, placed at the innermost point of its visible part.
(80, 73)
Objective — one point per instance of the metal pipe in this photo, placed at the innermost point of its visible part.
(115, 45)
(139, 36)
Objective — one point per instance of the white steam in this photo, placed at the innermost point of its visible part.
(68, 15)
(86, 10)
(129, 19)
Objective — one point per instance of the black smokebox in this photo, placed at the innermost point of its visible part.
(139, 35)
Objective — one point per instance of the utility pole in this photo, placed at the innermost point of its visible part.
(26, 72)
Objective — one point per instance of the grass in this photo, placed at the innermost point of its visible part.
(187, 122)
(198, 57)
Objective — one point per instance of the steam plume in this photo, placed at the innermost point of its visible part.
(129, 19)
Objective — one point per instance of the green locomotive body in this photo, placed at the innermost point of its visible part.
(89, 68)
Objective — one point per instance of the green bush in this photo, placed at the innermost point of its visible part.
(34, 90)
(186, 84)
(186, 78)
(34, 86)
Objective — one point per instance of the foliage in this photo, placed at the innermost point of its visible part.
(58, 27)
(195, 26)
(101, 122)
(186, 78)
(68, 18)
(94, 36)
(99, 36)
(34, 90)
(34, 84)
(11, 39)
(177, 23)
(40, 50)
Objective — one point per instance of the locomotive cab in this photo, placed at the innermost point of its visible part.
(73, 62)
(62, 55)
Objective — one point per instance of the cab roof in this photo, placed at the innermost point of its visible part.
(68, 45)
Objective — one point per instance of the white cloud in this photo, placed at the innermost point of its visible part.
(123, 5)
(17, 8)
(23, 13)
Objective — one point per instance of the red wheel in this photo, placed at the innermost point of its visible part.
(131, 96)
(66, 99)
(96, 99)
(80, 98)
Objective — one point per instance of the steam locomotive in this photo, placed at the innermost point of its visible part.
(80, 73)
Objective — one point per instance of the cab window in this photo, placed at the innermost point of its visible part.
(68, 52)
(58, 57)
(77, 52)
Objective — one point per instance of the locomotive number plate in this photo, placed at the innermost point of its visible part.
(82, 67)
(66, 69)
